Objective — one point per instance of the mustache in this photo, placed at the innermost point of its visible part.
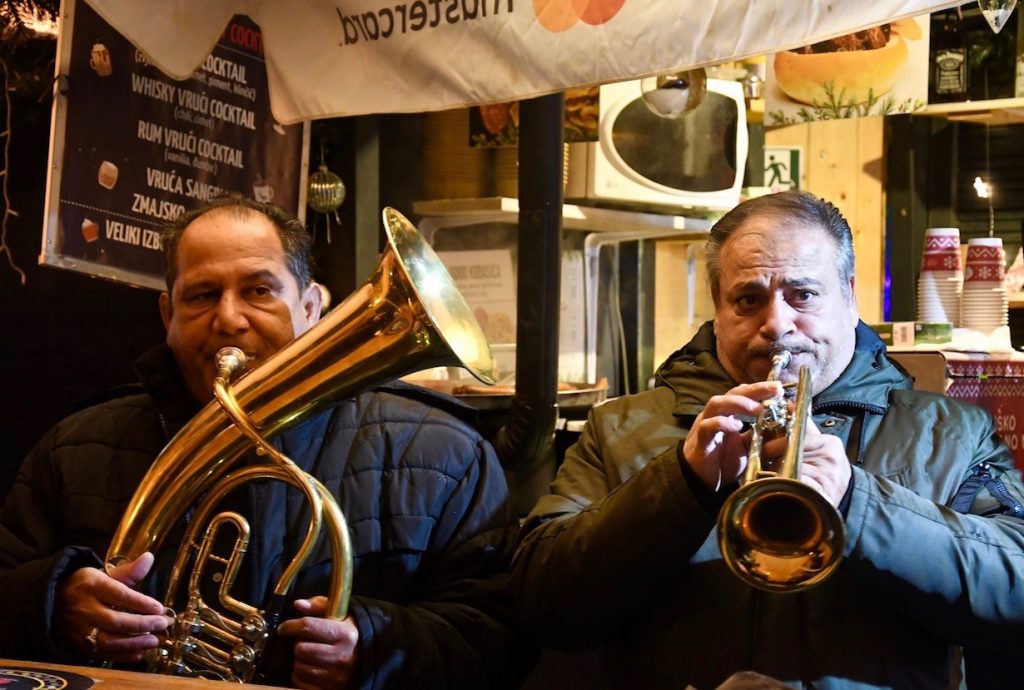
(769, 350)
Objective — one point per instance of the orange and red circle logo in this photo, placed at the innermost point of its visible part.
(561, 15)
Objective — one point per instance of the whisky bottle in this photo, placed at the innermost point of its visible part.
(947, 80)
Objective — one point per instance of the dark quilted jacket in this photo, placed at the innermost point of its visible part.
(423, 494)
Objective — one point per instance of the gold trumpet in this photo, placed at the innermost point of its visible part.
(776, 533)
(408, 316)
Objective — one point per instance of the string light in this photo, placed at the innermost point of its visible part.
(987, 185)
(5, 250)
(39, 19)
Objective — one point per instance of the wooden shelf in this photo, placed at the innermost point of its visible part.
(1002, 111)
(440, 212)
(1016, 300)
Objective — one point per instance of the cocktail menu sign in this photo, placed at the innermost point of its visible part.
(132, 148)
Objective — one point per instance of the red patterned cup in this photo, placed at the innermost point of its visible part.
(986, 262)
(941, 250)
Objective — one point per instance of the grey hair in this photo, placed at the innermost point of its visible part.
(793, 205)
(294, 238)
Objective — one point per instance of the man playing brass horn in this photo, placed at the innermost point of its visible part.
(623, 558)
(423, 494)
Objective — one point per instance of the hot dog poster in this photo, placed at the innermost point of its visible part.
(881, 70)
(132, 148)
(497, 124)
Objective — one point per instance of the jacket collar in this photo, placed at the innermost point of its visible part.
(694, 374)
(159, 374)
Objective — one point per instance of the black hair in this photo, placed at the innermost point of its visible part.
(793, 205)
(294, 238)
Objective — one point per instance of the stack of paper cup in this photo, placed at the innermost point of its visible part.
(985, 303)
(941, 280)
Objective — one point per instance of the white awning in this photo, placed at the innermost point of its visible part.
(332, 59)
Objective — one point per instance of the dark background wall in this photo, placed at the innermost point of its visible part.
(63, 335)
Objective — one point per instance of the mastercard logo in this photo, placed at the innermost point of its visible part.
(561, 15)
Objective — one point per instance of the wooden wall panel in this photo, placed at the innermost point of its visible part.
(675, 319)
(844, 162)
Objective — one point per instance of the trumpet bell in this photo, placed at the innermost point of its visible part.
(779, 535)
(776, 533)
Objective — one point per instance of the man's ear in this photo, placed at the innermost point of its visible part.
(166, 311)
(853, 300)
(312, 302)
(714, 300)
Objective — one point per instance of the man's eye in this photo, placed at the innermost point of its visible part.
(261, 291)
(746, 301)
(803, 296)
(201, 297)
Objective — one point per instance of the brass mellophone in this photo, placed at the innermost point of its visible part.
(776, 533)
(408, 316)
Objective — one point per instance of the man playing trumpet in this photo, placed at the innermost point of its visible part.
(624, 556)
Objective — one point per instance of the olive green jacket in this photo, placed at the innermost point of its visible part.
(622, 555)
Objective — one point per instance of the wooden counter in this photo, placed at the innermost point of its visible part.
(109, 679)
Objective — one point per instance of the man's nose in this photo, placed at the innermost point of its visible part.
(779, 319)
(230, 316)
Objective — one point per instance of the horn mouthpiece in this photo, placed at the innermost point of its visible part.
(229, 360)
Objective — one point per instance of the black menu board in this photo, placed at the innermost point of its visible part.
(132, 148)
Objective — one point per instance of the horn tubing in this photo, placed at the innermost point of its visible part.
(304, 481)
(337, 532)
(380, 332)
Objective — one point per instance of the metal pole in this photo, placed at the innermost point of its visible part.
(527, 437)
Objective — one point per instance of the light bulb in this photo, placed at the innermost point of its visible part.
(982, 188)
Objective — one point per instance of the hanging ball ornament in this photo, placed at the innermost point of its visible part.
(326, 191)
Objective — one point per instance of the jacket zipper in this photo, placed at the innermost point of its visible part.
(190, 512)
(842, 404)
(163, 426)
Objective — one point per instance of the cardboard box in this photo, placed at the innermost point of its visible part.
(895, 334)
(928, 369)
(908, 333)
(996, 383)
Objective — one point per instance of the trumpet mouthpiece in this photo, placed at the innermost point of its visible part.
(781, 358)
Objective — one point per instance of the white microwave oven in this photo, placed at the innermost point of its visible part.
(692, 161)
